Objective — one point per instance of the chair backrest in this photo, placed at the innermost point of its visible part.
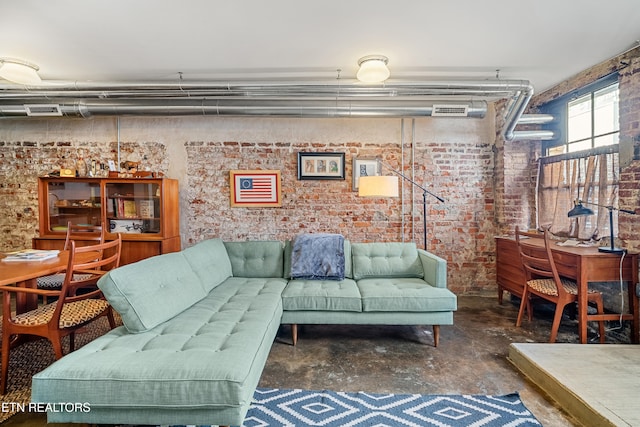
(84, 233)
(537, 259)
(86, 265)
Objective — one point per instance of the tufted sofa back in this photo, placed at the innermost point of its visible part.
(152, 291)
(256, 258)
(380, 260)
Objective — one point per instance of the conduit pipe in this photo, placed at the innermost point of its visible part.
(300, 99)
(300, 108)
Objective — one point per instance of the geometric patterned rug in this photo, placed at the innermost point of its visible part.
(278, 407)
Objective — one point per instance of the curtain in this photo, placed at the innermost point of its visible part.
(590, 176)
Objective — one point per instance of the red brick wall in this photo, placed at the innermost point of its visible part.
(629, 194)
(461, 171)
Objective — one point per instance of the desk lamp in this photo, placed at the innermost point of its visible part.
(579, 210)
(387, 186)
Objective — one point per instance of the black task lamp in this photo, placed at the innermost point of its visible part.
(579, 210)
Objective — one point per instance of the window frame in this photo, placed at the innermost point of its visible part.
(559, 108)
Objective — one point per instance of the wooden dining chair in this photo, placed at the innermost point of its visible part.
(542, 280)
(79, 302)
(92, 233)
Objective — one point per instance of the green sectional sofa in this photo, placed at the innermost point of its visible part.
(199, 324)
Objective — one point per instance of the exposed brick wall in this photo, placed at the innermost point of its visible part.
(452, 157)
(21, 162)
(629, 195)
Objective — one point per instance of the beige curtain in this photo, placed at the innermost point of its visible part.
(588, 176)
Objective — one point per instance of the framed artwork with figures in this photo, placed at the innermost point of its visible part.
(320, 165)
(364, 166)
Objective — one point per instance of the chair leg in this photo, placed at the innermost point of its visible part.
(56, 343)
(6, 347)
(524, 302)
(600, 306)
(557, 317)
(72, 342)
(112, 320)
(436, 335)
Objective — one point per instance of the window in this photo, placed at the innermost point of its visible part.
(586, 118)
(582, 162)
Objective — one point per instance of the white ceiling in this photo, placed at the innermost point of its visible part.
(543, 41)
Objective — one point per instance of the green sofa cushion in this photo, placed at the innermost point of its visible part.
(393, 259)
(210, 262)
(256, 258)
(208, 357)
(152, 291)
(404, 294)
(327, 295)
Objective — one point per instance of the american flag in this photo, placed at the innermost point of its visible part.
(256, 188)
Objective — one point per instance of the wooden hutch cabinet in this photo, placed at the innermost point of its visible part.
(144, 210)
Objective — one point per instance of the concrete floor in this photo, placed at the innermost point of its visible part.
(472, 358)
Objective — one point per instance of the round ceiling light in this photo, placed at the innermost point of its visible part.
(373, 69)
(19, 71)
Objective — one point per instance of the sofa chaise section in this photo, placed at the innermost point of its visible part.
(199, 366)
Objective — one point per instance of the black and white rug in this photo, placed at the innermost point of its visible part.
(276, 407)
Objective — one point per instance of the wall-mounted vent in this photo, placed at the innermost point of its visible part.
(450, 111)
(43, 109)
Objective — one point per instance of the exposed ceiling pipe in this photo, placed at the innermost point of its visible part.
(533, 135)
(305, 99)
(299, 108)
(531, 119)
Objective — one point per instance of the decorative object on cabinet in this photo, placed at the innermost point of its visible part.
(320, 165)
(144, 210)
(255, 188)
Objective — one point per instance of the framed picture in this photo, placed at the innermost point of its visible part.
(320, 165)
(364, 166)
(255, 188)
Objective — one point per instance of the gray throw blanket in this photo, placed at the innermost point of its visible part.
(318, 256)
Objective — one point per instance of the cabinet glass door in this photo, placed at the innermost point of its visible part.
(133, 208)
(75, 200)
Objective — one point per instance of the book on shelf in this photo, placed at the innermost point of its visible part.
(129, 209)
(124, 208)
(146, 208)
(30, 255)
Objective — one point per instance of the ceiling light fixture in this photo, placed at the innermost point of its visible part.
(373, 69)
(19, 71)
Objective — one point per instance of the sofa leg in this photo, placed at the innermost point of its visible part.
(436, 335)
(294, 333)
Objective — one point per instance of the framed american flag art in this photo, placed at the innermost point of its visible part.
(255, 188)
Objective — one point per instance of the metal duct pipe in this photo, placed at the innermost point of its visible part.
(535, 119)
(395, 98)
(496, 89)
(533, 135)
(299, 108)
(515, 111)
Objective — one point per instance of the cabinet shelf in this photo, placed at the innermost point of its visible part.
(143, 210)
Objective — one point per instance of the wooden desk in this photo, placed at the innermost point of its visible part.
(25, 273)
(583, 265)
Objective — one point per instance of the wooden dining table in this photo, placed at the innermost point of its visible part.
(25, 274)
